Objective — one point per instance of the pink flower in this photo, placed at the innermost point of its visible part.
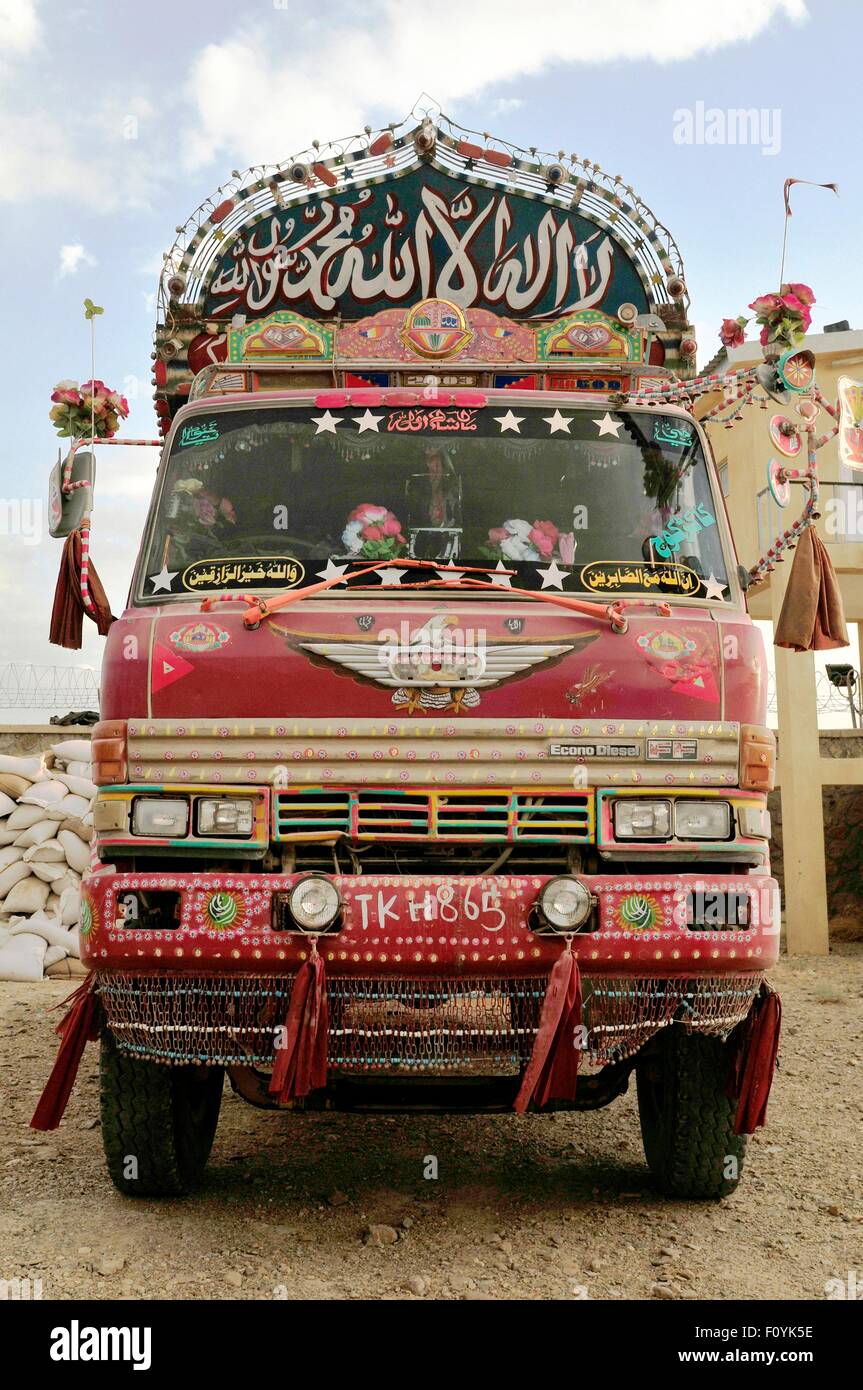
(68, 396)
(792, 302)
(372, 533)
(549, 529)
(391, 527)
(543, 542)
(731, 334)
(803, 292)
(226, 507)
(498, 534)
(766, 304)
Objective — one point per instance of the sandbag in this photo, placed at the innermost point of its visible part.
(70, 805)
(52, 956)
(51, 931)
(23, 767)
(49, 873)
(44, 793)
(77, 826)
(28, 895)
(7, 837)
(25, 816)
(70, 906)
(67, 969)
(49, 852)
(22, 959)
(69, 880)
(10, 855)
(13, 785)
(14, 873)
(37, 834)
(7, 805)
(76, 769)
(52, 904)
(76, 749)
(81, 786)
(76, 852)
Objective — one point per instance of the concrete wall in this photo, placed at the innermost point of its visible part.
(26, 739)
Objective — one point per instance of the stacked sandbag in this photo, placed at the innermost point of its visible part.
(46, 826)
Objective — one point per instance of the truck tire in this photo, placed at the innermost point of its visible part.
(687, 1121)
(158, 1122)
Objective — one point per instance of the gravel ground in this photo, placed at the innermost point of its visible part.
(523, 1207)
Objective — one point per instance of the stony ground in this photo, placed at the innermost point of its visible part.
(523, 1207)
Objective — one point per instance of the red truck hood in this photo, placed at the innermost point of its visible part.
(346, 657)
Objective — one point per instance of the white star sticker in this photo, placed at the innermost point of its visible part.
(327, 422)
(608, 426)
(391, 577)
(164, 579)
(713, 588)
(509, 421)
(450, 574)
(558, 422)
(553, 577)
(332, 571)
(503, 581)
(368, 421)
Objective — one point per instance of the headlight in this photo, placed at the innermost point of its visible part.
(642, 820)
(158, 816)
(314, 903)
(565, 903)
(223, 816)
(702, 820)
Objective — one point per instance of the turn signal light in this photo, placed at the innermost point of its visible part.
(109, 752)
(757, 758)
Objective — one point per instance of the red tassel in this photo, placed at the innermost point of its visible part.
(78, 1026)
(753, 1062)
(301, 1065)
(552, 1071)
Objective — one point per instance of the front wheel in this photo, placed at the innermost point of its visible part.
(158, 1122)
(687, 1121)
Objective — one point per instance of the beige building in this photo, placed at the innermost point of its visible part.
(742, 455)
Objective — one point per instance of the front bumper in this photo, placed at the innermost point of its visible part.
(429, 926)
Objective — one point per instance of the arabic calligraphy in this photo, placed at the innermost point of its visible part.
(241, 573)
(439, 419)
(428, 237)
(679, 435)
(610, 576)
(200, 432)
(681, 528)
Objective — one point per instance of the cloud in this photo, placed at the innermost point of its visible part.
(256, 98)
(72, 258)
(20, 30)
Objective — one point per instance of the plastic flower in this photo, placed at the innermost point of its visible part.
(188, 485)
(765, 305)
(544, 536)
(732, 333)
(802, 292)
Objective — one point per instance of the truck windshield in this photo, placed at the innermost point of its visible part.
(585, 500)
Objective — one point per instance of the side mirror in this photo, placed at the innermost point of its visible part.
(68, 510)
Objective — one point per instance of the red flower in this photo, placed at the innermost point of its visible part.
(372, 533)
(803, 292)
(731, 334)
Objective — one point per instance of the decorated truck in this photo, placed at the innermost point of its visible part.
(433, 756)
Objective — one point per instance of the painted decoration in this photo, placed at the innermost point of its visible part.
(281, 337)
(788, 444)
(199, 637)
(243, 572)
(778, 483)
(613, 576)
(684, 527)
(850, 422)
(423, 234)
(437, 330)
(207, 350)
(796, 369)
(588, 333)
(167, 667)
(638, 912)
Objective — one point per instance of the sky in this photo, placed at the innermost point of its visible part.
(116, 121)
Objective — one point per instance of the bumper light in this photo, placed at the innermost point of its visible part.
(642, 820)
(160, 817)
(565, 903)
(702, 820)
(314, 903)
(225, 817)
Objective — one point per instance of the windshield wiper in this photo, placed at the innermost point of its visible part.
(261, 608)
